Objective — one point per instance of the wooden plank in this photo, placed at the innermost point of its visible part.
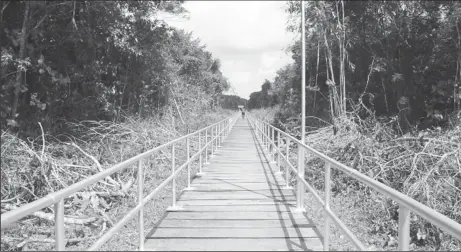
(264, 244)
(211, 190)
(202, 202)
(237, 179)
(267, 232)
(264, 190)
(248, 186)
(172, 223)
(239, 208)
(235, 216)
(215, 181)
(235, 195)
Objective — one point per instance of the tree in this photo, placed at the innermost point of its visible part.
(73, 60)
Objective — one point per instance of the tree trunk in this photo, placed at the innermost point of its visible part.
(21, 56)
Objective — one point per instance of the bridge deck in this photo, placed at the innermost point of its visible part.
(239, 203)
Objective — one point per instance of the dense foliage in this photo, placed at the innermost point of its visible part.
(386, 58)
(76, 60)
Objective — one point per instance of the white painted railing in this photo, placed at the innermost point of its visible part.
(266, 135)
(214, 136)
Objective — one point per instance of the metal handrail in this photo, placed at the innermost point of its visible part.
(219, 132)
(406, 204)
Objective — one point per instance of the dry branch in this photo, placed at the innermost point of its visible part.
(98, 165)
(50, 217)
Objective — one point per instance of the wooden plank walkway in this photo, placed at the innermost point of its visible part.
(239, 203)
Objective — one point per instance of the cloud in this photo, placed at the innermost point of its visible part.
(248, 37)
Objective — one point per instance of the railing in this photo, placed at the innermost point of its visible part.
(219, 131)
(266, 135)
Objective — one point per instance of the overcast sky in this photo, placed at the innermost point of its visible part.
(248, 37)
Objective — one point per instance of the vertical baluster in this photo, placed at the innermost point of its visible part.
(269, 142)
(326, 233)
(262, 135)
(300, 185)
(265, 137)
(218, 129)
(206, 146)
(260, 131)
(173, 163)
(219, 135)
(212, 141)
(187, 158)
(59, 226)
(287, 168)
(200, 156)
(272, 144)
(279, 151)
(404, 228)
(141, 211)
(215, 138)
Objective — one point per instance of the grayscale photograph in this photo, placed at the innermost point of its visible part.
(183, 125)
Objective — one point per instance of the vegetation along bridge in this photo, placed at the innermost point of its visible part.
(240, 198)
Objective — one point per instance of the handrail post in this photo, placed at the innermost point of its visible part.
(404, 228)
(212, 141)
(269, 140)
(223, 131)
(173, 207)
(260, 133)
(287, 168)
(141, 211)
(224, 124)
(278, 151)
(272, 142)
(265, 136)
(299, 184)
(200, 156)
(269, 134)
(188, 159)
(216, 136)
(219, 135)
(173, 163)
(59, 226)
(326, 220)
(206, 146)
(263, 129)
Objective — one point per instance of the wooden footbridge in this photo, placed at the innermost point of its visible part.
(238, 203)
(240, 199)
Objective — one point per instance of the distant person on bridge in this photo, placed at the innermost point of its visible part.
(243, 113)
